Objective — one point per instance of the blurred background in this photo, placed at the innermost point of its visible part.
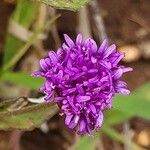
(29, 29)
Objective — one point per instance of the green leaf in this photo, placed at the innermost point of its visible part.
(124, 108)
(25, 12)
(136, 104)
(66, 4)
(21, 114)
(86, 143)
(23, 15)
(114, 135)
(114, 116)
(143, 92)
(22, 79)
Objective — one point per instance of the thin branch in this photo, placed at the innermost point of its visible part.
(54, 29)
(97, 15)
(127, 135)
(114, 135)
(84, 24)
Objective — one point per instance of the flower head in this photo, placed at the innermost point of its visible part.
(85, 78)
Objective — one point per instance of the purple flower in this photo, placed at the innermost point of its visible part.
(85, 78)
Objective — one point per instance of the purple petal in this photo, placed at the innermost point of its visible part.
(42, 88)
(59, 51)
(92, 70)
(47, 61)
(103, 79)
(69, 91)
(99, 103)
(58, 99)
(69, 63)
(127, 69)
(105, 64)
(111, 49)
(68, 119)
(93, 80)
(65, 47)
(123, 91)
(43, 64)
(82, 126)
(80, 89)
(118, 58)
(36, 74)
(118, 73)
(68, 40)
(109, 105)
(83, 98)
(48, 97)
(64, 107)
(103, 46)
(53, 57)
(72, 124)
(121, 84)
(99, 120)
(94, 60)
(79, 39)
(91, 44)
(60, 74)
(76, 119)
(93, 108)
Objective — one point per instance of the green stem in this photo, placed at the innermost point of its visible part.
(24, 49)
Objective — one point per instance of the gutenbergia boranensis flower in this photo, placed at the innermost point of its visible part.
(85, 78)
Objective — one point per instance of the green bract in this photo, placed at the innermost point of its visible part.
(66, 4)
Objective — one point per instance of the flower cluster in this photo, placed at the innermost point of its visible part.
(85, 78)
